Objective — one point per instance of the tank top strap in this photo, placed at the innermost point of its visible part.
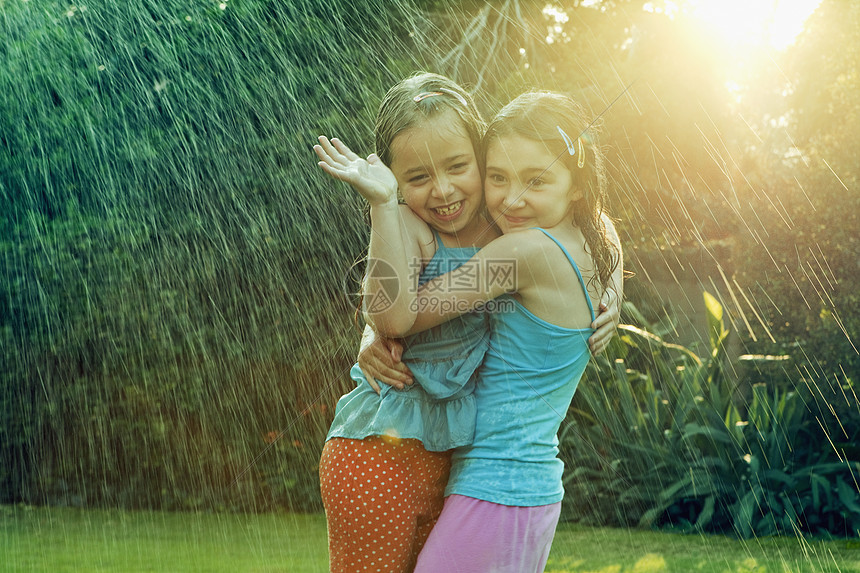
(575, 268)
(439, 244)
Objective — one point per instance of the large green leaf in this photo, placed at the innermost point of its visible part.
(716, 328)
(848, 495)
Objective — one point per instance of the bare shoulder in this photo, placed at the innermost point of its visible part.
(535, 255)
(547, 282)
(611, 232)
(532, 244)
(538, 257)
(545, 255)
(519, 245)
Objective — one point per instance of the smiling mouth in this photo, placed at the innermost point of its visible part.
(515, 220)
(448, 210)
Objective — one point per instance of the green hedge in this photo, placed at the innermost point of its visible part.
(174, 257)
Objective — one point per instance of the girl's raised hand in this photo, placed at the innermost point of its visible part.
(370, 177)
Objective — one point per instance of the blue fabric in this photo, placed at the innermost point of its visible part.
(527, 381)
(439, 408)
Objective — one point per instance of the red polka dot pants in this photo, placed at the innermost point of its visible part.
(382, 498)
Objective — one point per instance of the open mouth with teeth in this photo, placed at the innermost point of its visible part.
(449, 211)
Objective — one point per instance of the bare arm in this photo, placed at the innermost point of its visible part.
(436, 302)
(389, 296)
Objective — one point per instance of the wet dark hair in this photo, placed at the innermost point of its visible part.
(538, 116)
(419, 98)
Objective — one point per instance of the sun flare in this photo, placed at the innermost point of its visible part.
(755, 22)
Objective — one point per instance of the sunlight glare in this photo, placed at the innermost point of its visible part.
(756, 22)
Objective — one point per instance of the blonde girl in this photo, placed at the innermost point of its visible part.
(387, 455)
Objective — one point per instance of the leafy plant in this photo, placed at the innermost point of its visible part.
(670, 446)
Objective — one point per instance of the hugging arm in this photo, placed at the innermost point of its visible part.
(437, 302)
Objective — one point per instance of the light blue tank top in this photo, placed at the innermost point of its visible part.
(439, 408)
(526, 384)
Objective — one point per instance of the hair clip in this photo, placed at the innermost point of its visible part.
(580, 161)
(570, 148)
(425, 95)
(455, 95)
(442, 91)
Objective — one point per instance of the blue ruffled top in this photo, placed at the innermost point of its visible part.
(439, 408)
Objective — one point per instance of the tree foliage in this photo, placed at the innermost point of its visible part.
(175, 262)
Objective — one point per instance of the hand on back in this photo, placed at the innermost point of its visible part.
(380, 360)
(609, 315)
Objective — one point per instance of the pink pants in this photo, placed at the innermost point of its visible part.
(473, 536)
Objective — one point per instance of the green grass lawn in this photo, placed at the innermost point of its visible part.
(56, 540)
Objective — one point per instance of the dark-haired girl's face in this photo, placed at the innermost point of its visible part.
(437, 172)
(525, 186)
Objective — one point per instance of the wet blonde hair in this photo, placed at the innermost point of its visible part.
(419, 98)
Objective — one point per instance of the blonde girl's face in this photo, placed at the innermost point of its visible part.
(526, 187)
(437, 172)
